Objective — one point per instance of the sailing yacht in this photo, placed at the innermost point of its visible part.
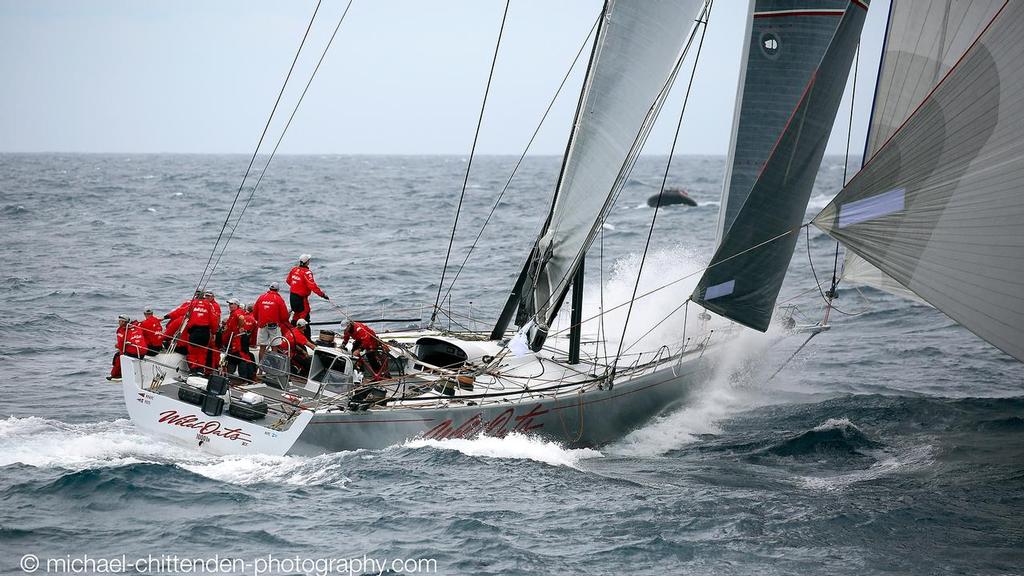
(534, 379)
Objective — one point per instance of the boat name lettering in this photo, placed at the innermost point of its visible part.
(499, 426)
(207, 428)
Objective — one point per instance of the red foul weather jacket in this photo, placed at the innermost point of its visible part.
(301, 283)
(154, 331)
(270, 309)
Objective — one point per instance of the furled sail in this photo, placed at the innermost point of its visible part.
(786, 40)
(635, 55)
(745, 275)
(940, 206)
(924, 38)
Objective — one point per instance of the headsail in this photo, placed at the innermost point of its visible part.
(745, 275)
(924, 38)
(635, 55)
(786, 40)
(939, 207)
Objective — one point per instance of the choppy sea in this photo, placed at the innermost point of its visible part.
(893, 443)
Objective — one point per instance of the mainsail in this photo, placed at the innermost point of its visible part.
(940, 207)
(924, 39)
(636, 52)
(786, 40)
(745, 275)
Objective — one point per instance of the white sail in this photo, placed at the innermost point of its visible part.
(635, 54)
(924, 39)
(939, 207)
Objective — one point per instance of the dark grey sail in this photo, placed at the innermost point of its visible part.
(940, 206)
(743, 280)
(786, 40)
(924, 39)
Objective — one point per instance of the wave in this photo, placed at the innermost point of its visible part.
(836, 437)
(76, 448)
(888, 464)
(513, 446)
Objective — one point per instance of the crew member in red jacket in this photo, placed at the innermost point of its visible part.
(369, 348)
(198, 317)
(271, 313)
(299, 347)
(301, 284)
(153, 329)
(135, 340)
(122, 329)
(236, 338)
(213, 347)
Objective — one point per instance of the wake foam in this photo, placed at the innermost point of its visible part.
(513, 446)
(43, 443)
(889, 464)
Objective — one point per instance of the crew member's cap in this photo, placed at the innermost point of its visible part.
(274, 286)
(124, 318)
(148, 310)
(301, 322)
(304, 259)
(233, 301)
(209, 293)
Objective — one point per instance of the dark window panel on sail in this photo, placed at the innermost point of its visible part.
(634, 59)
(746, 273)
(924, 38)
(940, 207)
(786, 42)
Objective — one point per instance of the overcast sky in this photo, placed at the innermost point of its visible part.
(403, 76)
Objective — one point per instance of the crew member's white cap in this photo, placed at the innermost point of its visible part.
(233, 301)
(148, 310)
(274, 286)
(304, 259)
(301, 322)
(124, 317)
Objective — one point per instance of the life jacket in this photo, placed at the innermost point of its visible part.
(136, 340)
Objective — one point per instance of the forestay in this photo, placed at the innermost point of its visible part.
(743, 280)
(940, 206)
(785, 43)
(635, 55)
(924, 38)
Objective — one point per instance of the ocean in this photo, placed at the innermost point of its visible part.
(893, 443)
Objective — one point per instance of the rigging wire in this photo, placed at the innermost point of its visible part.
(664, 178)
(203, 279)
(469, 166)
(280, 138)
(522, 157)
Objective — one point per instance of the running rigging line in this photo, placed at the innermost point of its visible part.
(701, 20)
(252, 193)
(203, 279)
(522, 157)
(469, 166)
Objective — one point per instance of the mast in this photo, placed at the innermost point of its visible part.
(576, 318)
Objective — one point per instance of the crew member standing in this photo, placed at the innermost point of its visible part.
(154, 332)
(301, 284)
(271, 313)
(122, 329)
(198, 315)
(213, 348)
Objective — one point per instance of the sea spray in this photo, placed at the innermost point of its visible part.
(513, 446)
